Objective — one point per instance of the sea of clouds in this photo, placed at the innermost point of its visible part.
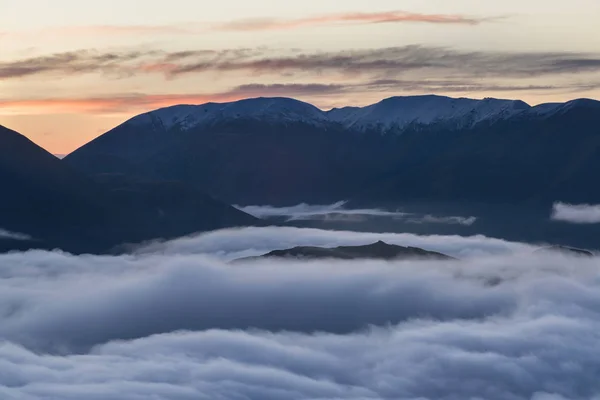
(177, 320)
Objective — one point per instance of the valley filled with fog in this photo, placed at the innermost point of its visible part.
(180, 320)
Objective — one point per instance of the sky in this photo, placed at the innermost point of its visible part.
(71, 70)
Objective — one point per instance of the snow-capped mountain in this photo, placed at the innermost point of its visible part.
(278, 109)
(550, 109)
(394, 114)
(282, 151)
(397, 113)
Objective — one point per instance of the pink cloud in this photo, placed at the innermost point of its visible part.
(260, 24)
(347, 18)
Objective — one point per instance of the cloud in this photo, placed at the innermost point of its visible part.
(520, 357)
(386, 17)
(255, 24)
(52, 300)
(320, 94)
(319, 212)
(138, 102)
(432, 219)
(237, 243)
(73, 62)
(355, 74)
(383, 63)
(518, 326)
(337, 212)
(394, 61)
(4, 234)
(129, 103)
(576, 213)
(118, 104)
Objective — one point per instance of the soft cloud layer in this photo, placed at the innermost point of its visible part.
(4, 234)
(518, 326)
(522, 356)
(338, 212)
(255, 24)
(388, 17)
(386, 62)
(308, 212)
(318, 76)
(432, 219)
(128, 103)
(576, 213)
(229, 244)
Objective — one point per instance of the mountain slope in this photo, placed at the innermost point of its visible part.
(398, 113)
(272, 150)
(40, 192)
(58, 207)
(282, 151)
(535, 156)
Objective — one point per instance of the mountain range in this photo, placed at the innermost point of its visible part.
(174, 171)
(282, 151)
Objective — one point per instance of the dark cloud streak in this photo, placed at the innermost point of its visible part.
(387, 63)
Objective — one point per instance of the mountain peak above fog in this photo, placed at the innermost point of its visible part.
(401, 111)
(391, 114)
(276, 109)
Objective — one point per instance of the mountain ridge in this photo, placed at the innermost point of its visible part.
(281, 151)
(419, 110)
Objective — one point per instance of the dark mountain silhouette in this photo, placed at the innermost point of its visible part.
(282, 151)
(41, 196)
(166, 209)
(378, 250)
(56, 206)
(540, 156)
(247, 156)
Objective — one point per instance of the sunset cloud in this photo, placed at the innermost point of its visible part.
(383, 63)
(127, 104)
(137, 102)
(74, 62)
(256, 24)
(395, 61)
(118, 30)
(113, 104)
(261, 24)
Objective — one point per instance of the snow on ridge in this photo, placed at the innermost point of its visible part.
(546, 108)
(276, 109)
(398, 112)
(549, 109)
(388, 114)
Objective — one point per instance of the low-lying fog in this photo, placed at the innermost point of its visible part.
(176, 320)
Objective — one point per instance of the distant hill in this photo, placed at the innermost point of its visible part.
(282, 151)
(56, 206)
(378, 250)
(42, 196)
